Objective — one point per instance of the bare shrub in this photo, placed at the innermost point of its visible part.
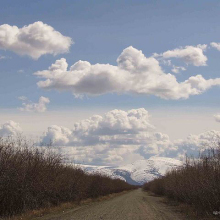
(31, 178)
(197, 183)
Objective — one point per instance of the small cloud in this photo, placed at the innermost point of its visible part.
(10, 128)
(189, 54)
(177, 69)
(202, 46)
(29, 106)
(167, 62)
(20, 71)
(215, 45)
(156, 55)
(217, 117)
(2, 57)
(23, 98)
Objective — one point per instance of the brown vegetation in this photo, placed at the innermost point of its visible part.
(31, 179)
(197, 183)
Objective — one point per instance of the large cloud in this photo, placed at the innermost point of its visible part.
(134, 73)
(189, 54)
(121, 137)
(109, 139)
(33, 40)
(10, 128)
(34, 107)
(114, 127)
(116, 138)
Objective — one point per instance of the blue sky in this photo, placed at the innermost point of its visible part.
(101, 30)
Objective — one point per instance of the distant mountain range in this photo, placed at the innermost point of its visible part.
(138, 172)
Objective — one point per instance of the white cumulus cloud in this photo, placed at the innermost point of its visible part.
(120, 137)
(28, 106)
(190, 54)
(114, 127)
(215, 45)
(193, 145)
(33, 40)
(177, 69)
(106, 139)
(10, 128)
(217, 117)
(134, 73)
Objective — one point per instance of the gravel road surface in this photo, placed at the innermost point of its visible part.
(134, 205)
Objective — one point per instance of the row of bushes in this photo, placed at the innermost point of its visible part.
(197, 183)
(31, 178)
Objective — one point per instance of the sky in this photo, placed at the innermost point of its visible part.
(116, 80)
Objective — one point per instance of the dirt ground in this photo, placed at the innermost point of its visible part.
(134, 205)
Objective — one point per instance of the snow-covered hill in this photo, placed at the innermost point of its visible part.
(138, 172)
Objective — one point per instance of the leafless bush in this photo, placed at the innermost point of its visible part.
(197, 183)
(31, 178)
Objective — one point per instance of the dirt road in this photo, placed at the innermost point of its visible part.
(134, 205)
